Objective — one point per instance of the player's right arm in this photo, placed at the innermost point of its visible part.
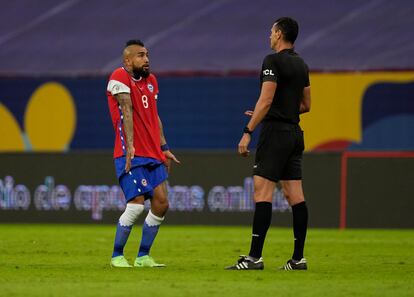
(124, 101)
(120, 87)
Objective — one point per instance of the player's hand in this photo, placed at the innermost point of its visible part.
(244, 144)
(248, 113)
(170, 156)
(130, 153)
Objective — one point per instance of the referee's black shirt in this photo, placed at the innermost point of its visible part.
(291, 74)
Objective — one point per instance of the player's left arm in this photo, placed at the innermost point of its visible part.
(163, 142)
(166, 150)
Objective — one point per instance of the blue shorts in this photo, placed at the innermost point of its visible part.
(145, 175)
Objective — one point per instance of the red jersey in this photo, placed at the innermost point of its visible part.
(144, 93)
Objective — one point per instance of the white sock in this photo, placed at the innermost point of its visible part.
(131, 214)
(153, 220)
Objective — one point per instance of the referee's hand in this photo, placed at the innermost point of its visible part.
(244, 144)
(249, 113)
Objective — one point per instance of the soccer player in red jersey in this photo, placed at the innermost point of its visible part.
(141, 153)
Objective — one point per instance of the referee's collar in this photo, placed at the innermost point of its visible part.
(287, 50)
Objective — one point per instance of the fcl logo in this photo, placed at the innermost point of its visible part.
(268, 72)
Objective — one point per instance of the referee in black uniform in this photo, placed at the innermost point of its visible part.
(285, 93)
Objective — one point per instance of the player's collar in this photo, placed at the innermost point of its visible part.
(133, 78)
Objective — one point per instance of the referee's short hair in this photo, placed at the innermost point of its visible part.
(289, 28)
(134, 42)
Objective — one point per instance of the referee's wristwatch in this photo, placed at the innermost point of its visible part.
(247, 130)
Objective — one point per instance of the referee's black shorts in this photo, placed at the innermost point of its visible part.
(279, 151)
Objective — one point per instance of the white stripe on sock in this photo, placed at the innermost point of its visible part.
(153, 220)
(131, 213)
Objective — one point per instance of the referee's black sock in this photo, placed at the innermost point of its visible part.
(261, 223)
(300, 225)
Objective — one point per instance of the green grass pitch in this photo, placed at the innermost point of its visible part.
(73, 260)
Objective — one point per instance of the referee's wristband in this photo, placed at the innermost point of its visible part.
(247, 130)
(165, 147)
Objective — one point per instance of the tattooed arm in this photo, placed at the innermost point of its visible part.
(124, 101)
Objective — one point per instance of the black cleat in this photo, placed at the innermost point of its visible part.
(295, 265)
(247, 263)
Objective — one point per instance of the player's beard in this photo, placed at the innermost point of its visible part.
(140, 72)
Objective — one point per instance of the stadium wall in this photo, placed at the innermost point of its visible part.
(350, 111)
(61, 125)
(213, 188)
